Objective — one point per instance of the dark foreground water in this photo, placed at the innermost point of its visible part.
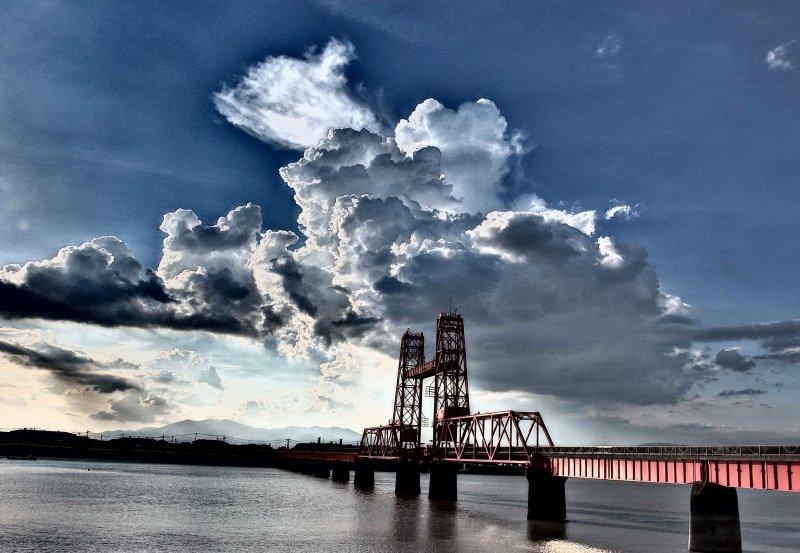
(61, 506)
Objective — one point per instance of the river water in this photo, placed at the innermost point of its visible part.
(76, 506)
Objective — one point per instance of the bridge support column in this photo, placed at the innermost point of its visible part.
(322, 470)
(364, 476)
(340, 473)
(406, 479)
(546, 497)
(714, 519)
(444, 482)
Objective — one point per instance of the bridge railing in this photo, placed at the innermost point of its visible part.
(503, 437)
(677, 451)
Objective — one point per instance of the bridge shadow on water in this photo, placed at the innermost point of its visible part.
(490, 516)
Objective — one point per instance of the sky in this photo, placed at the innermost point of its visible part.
(234, 210)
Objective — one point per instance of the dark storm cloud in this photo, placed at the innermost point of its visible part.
(292, 274)
(733, 360)
(390, 285)
(67, 366)
(761, 331)
(100, 282)
(788, 356)
(18, 302)
(351, 319)
(781, 343)
(744, 392)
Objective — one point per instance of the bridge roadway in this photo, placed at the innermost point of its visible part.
(751, 467)
(713, 471)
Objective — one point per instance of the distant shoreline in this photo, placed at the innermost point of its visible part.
(42, 444)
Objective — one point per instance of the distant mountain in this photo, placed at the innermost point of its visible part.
(237, 432)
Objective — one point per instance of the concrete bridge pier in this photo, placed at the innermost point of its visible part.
(340, 472)
(322, 470)
(443, 482)
(546, 496)
(714, 519)
(364, 476)
(406, 481)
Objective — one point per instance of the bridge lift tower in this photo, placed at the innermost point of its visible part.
(448, 368)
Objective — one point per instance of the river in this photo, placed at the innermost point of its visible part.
(82, 506)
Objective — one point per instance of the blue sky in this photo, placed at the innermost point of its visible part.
(109, 122)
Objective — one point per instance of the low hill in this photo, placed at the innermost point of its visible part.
(185, 430)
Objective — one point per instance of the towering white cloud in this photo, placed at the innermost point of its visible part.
(475, 143)
(390, 229)
(292, 103)
(550, 308)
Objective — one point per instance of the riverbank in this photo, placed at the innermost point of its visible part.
(36, 444)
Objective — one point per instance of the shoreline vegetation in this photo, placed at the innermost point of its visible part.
(36, 444)
(28, 444)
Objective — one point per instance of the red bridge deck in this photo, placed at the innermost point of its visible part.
(319, 455)
(752, 467)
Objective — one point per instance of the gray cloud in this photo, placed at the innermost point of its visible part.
(733, 360)
(134, 406)
(744, 392)
(67, 366)
(760, 331)
(200, 284)
(210, 377)
(787, 356)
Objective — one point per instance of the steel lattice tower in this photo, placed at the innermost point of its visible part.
(408, 394)
(451, 393)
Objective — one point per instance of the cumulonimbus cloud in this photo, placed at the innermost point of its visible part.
(391, 228)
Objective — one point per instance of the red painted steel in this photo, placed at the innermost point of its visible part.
(512, 437)
(319, 455)
(750, 467)
(503, 437)
(401, 437)
(451, 391)
(425, 370)
(383, 442)
(408, 394)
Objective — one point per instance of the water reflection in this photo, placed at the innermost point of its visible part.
(442, 519)
(128, 508)
(405, 519)
(540, 530)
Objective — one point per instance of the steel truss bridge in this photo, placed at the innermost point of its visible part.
(521, 438)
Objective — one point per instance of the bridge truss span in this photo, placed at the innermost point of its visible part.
(502, 437)
(773, 467)
(383, 442)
